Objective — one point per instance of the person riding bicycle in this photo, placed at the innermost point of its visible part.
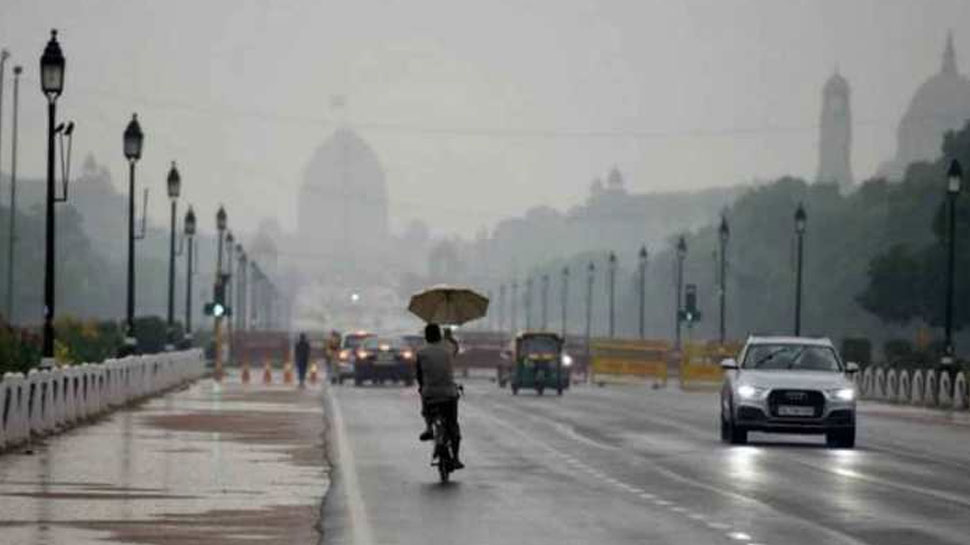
(435, 376)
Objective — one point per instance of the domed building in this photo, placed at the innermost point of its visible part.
(342, 208)
(941, 104)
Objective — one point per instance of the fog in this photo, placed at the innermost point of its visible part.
(476, 110)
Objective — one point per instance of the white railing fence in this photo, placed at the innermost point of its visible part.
(920, 387)
(45, 402)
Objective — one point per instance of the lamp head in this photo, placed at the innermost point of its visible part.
(133, 139)
(174, 182)
(190, 222)
(52, 68)
(221, 219)
(954, 177)
(800, 219)
(723, 231)
(681, 247)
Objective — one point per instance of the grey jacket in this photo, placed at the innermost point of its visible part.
(435, 372)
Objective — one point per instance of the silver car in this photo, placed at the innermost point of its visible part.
(788, 385)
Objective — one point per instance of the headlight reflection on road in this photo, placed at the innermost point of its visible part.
(742, 462)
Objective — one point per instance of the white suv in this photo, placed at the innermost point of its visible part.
(788, 385)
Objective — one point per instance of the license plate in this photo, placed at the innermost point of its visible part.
(385, 358)
(792, 410)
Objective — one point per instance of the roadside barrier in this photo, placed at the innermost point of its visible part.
(918, 387)
(622, 360)
(701, 363)
(46, 402)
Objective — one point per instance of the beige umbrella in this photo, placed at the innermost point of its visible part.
(448, 305)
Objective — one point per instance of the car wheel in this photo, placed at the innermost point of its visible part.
(358, 382)
(841, 438)
(732, 433)
(515, 390)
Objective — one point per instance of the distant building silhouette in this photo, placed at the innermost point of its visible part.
(343, 204)
(835, 133)
(941, 104)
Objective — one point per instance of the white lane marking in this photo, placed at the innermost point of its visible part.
(739, 536)
(360, 525)
(718, 526)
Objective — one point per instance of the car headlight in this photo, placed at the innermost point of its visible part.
(841, 394)
(567, 360)
(747, 391)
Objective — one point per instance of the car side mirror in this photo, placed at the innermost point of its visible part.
(729, 363)
(851, 367)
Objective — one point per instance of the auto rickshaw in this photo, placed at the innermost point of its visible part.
(536, 360)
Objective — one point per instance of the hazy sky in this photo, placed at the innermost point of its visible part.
(477, 109)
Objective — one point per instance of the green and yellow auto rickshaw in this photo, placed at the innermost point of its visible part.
(535, 361)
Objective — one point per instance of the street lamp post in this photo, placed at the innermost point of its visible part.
(52, 84)
(590, 271)
(723, 234)
(190, 236)
(12, 231)
(133, 141)
(681, 255)
(4, 55)
(174, 186)
(514, 304)
(545, 302)
(643, 290)
(564, 302)
(501, 308)
(528, 303)
(239, 313)
(612, 289)
(219, 288)
(800, 219)
(954, 182)
(229, 278)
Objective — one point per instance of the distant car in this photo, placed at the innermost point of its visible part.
(384, 359)
(789, 385)
(348, 354)
(416, 342)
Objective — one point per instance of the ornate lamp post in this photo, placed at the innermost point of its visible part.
(800, 219)
(501, 308)
(220, 283)
(133, 141)
(528, 303)
(643, 289)
(681, 255)
(514, 304)
(545, 302)
(612, 289)
(954, 184)
(565, 300)
(590, 272)
(52, 84)
(174, 186)
(12, 229)
(723, 234)
(239, 311)
(190, 236)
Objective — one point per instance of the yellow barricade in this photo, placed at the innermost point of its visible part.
(702, 362)
(623, 360)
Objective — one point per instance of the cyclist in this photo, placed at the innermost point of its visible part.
(435, 373)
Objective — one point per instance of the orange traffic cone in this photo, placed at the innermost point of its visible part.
(267, 373)
(245, 372)
(313, 373)
(287, 373)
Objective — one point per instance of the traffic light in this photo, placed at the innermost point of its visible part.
(218, 308)
(690, 313)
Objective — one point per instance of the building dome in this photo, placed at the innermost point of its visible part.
(343, 202)
(941, 104)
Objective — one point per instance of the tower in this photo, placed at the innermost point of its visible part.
(835, 133)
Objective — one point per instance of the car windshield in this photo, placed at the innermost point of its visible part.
(539, 344)
(353, 341)
(797, 357)
(374, 343)
(414, 341)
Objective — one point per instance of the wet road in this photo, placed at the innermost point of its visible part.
(633, 465)
(213, 464)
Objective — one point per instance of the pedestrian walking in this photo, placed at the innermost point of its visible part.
(302, 357)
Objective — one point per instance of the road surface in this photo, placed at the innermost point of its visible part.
(627, 464)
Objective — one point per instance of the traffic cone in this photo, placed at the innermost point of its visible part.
(313, 373)
(287, 373)
(245, 372)
(267, 373)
